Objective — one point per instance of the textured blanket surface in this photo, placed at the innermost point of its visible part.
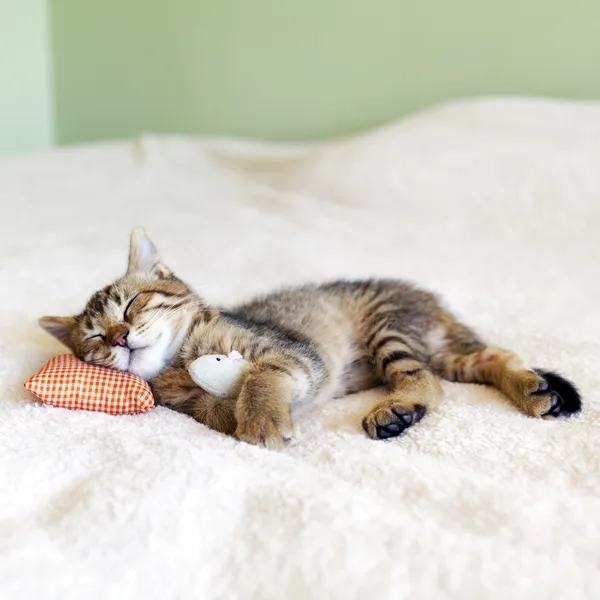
(494, 203)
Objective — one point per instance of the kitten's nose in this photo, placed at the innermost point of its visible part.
(122, 339)
(118, 335)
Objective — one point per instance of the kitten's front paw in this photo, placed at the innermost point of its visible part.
(270, 430)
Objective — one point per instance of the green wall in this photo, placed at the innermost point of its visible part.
(26, 120)
(278, 69)
(285, 69)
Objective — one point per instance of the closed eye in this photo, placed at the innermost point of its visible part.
(128, 305)
(161, 292)
(98, 335)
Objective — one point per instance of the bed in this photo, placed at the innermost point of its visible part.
(495, 203)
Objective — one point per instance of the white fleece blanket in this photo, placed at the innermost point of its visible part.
(494, 203)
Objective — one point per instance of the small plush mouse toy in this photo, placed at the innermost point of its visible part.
(219, 374)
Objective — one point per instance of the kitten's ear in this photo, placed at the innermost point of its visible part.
(144, 257)
(62, 328)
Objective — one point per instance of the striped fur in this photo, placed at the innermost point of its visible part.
(302, 343)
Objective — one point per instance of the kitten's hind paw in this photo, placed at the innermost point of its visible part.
(390, 418)
(566, 399)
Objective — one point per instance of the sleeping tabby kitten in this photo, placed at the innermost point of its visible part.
(315, 340)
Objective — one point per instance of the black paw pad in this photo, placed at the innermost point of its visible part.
(566, 399)
(388, 431)
(555, 407)
(542, 389)
(406, 417)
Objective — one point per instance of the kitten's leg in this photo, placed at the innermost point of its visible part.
(272, 383)
(413, 387)
(176, 389)
(463, 357)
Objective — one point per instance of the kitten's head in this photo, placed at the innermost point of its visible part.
(138, 323)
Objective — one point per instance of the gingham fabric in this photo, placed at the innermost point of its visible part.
(67, 382)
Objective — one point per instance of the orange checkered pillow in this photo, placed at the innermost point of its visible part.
(68, 382)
